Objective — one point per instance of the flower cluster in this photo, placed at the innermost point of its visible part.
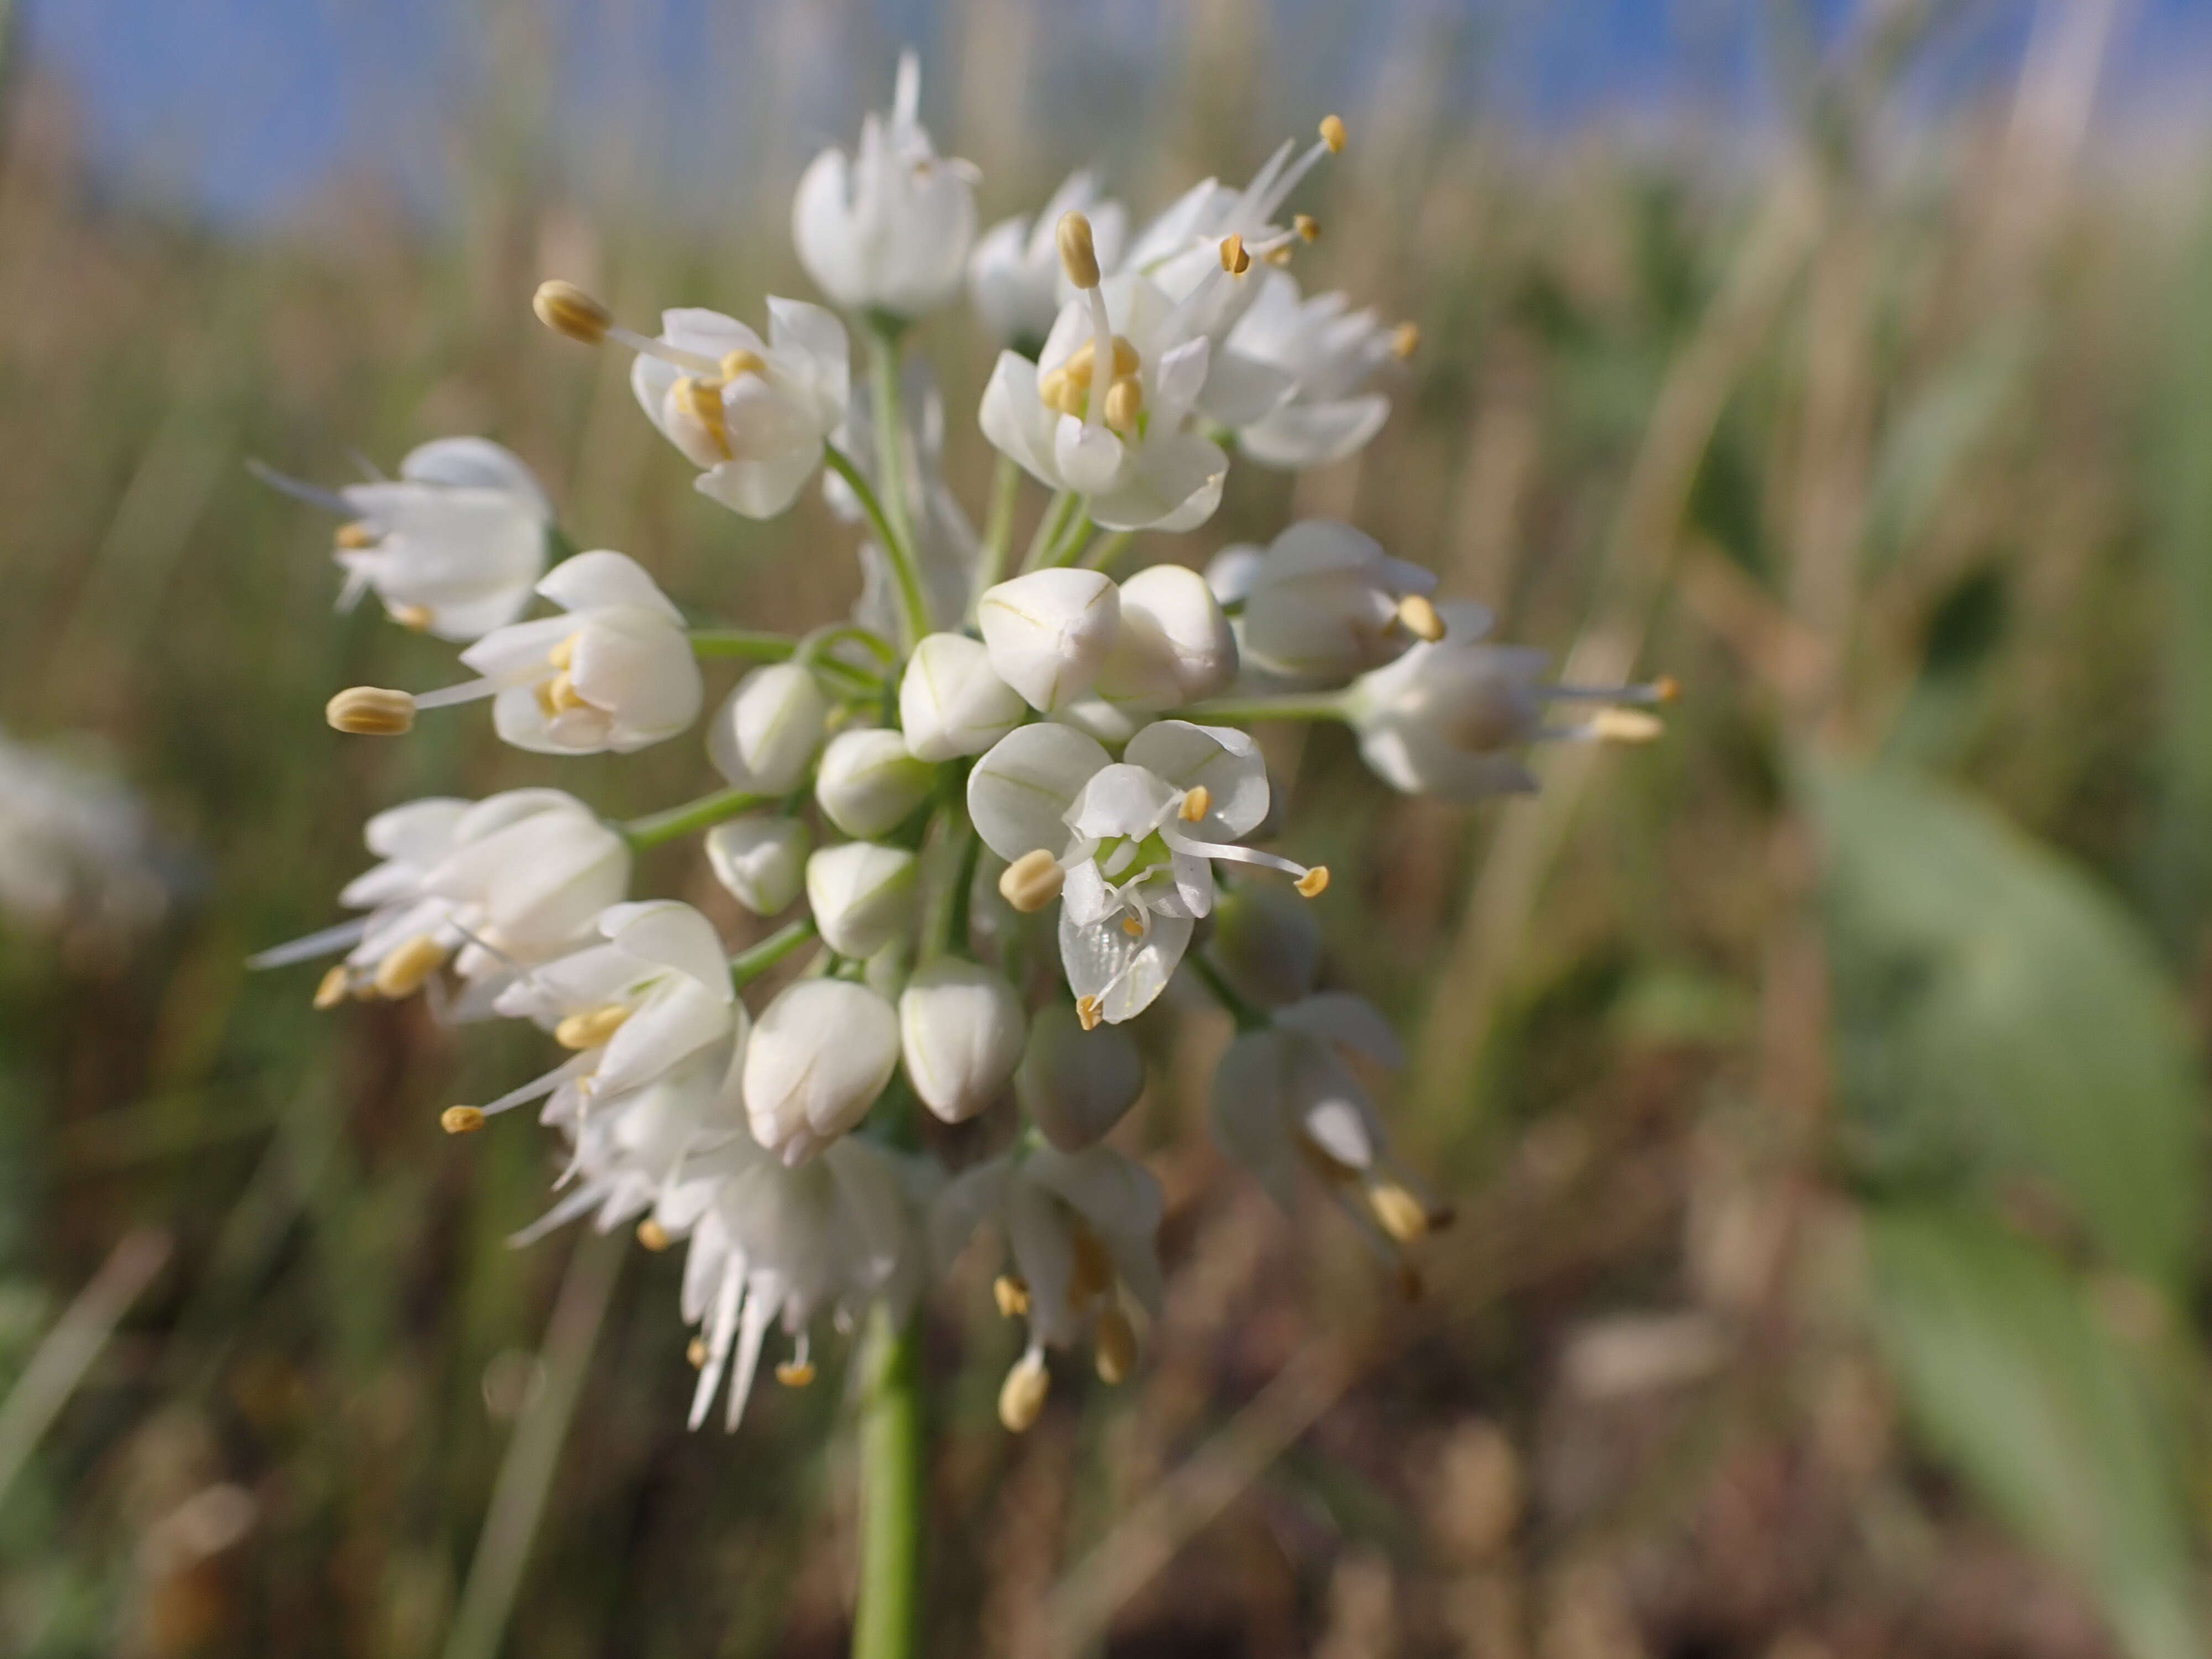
(993, 812)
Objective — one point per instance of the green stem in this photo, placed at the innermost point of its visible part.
(944, 929)
(888, 1622)
(749, 964)
(1069, 549)
(890, 456)
(1050, 528)
(1296, 706)
(914, 612)
(1248, 1015)
(1103, 556)
(658, 827)
(999, 524)
(750, 644)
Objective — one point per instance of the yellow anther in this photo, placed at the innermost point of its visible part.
(590, 1030)
(333, 989)
(1314, 883)
(1307, 227)
(1132, 927)
(1234, 259)
(1398, 1212)
(795, 1373)
(370, 711)
(1022, 1395)
(695, 1352)
(560, 695)
(563, 655)
(567, 309)
(1032, 881)
(1116, 1341)
(1078, 258)
(416, 616)
(702, 401)
(1420, 618)
(742, 361)
(1091, 1273)
(406, 966)
(1059, 391)
(356, 536)
(1333, 135)
(1125, 402)
(461, 1120)
(1089, 1012)
(1011, 1295)
(1197, 802)
(653, 1235)
(1405, 340)
(1666, 688)
(1627, 726)
(1278, 256)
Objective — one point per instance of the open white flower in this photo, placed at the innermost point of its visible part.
(1014, 276)
(1334, 356)
(951, 701)
(889, 229)
(1048, 633)
(1324, 602)
(77, 849)
(960, 1030)
(1174, 646)
(862, 894)
(1080, 1229)
(1445, 719)
(869, 781)
(761, 860)
(820, 1055)
(766, 732)
(1076, 1084)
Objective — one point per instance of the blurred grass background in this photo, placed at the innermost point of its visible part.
(1820, 1090)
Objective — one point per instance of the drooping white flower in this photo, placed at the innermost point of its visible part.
(951, 701)
(862, 894)
(1324, 602)
(1014, 276)
(820, 1055)
(869, 781)
(766, 732)
(889, 229)
(1080, 1229)
(76, 851)
(1445, 719)
(1174, 645)
(1076, 1084)
(1048, 632)
(761, 860)
(960, 1030)
(1334, 356)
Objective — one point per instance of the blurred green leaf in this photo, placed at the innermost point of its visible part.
(1936, 431)
(2010, 1377)
(1999, 1015)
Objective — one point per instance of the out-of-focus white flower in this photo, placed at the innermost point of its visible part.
(454, 544)
(1325, 602)
(868, 781)
(1014, 278)
(862, 894)
(1128, 847)
(960, 1028)
(820, 1055)
(1334, 356)
(1048, 632)
(1266, 944)
(1081, 1230)
(76, 850)
(888, 229)
(1445, 718)
(766, 732)
(1075, 1084)
(761, 860)
(1174, 646)
(951, 701)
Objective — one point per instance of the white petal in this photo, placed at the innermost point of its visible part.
(1019, 794)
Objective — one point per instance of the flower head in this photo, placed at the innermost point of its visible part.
(1334, 356)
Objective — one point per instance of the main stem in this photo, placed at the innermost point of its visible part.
(890, 466)
(914, 611)
(887, 1623)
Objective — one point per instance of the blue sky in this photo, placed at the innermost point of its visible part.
(247, 108)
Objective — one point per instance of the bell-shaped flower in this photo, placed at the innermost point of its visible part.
(1445, 718)
(862, 894)
(868, 780)
(1080, 1233)
(1076, 1084)
(1334, 356)
(960, 1030)
(761, 860)
(951, 701)
(1174, 646)
(1014, 278)
(765, 734)
(1325, 603)
(820, 1055)
(1048, 633)
(888, 229)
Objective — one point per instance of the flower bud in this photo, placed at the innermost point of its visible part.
(862, 895)
(765, 735)
(960, 1027)
(818, 1056)
(868, 782)
(761, 860)
(1174, 646)
(950, 703)
(1076, 1084)
(1048, 633)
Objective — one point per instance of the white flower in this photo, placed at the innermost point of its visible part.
(862, 895)
(1325, 602)
(615, 673)
(75, 849)
(868, 782)
(960, 1028)
(1443, 719)
(1174, 646)
(1266, 944)
(452, 545)
(820, 1055)
(752, 415)
(1077, 1084)
(1128, 846)
(765, 734)
(1048, 632)
(761, 860)
(1333, 355)
(1081, 1229)
(1014, 278)
(888, 229)
(951, 701)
